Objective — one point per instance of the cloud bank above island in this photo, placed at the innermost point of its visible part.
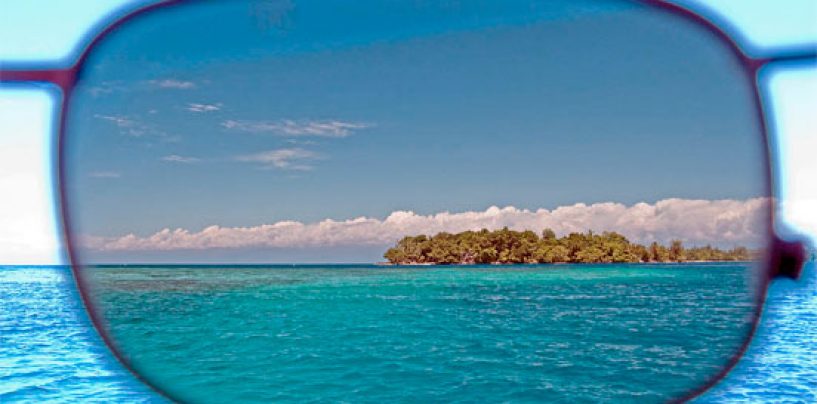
(723, 222)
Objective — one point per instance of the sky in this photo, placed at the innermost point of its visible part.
(791, 89)
(287, 23)
(444, 111)
(28, 225)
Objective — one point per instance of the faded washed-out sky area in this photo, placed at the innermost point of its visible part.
(282, 131)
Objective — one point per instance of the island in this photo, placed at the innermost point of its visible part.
(527, 247)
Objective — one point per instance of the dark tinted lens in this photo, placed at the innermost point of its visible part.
(583, 182)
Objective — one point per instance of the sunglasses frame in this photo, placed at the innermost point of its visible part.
(784, 258)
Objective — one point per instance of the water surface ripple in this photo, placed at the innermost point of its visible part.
(48, 353)
(585, 333)
(48, 349)
(781, 363)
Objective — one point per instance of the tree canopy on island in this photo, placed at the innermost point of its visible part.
(526, 247)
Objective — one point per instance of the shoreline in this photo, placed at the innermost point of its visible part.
(471, 264)
(132, 265)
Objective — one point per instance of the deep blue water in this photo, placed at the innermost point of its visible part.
(48, 352)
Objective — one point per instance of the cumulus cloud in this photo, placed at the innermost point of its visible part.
(175, 158)
(288, 127)
(719, 222)
(194, 107)
(285, 159)
(173, 83)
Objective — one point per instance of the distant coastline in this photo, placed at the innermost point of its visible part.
(476, 264)
(502, 247)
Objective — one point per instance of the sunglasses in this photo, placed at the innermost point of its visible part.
(456, 201)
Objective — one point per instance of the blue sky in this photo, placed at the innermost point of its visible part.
(241, 115)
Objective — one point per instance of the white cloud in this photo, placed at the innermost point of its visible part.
(719, 222)
(285, 159)
(118, 120)
(131, 127)
(105, 88)
(302, 142)
(175, 158)
(105, 174)
(288, 127)
(172, 83)
(194, 107)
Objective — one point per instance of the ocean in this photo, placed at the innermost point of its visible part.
(362, 333)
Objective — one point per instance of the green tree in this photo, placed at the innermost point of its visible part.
(676, 251)
(514, 247)
(658, 253)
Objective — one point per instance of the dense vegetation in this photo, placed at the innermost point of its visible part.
(526, 247)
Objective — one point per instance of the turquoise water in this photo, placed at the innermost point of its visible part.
(363, 333)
